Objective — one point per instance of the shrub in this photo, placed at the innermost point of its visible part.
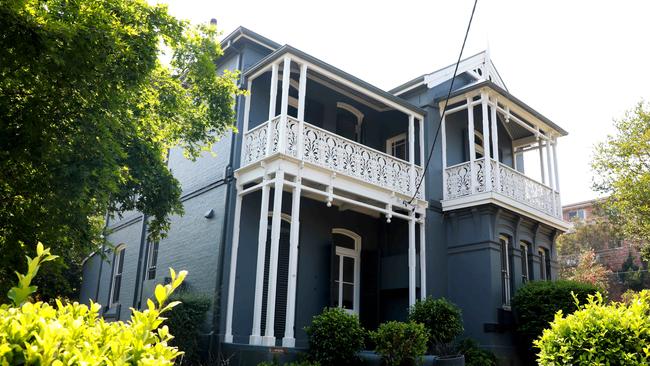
(442, 319)
(335, 337)
(474, 355)
(294, 363)
(535, 305)
(41, 334)
(185, 321)
(398, 342)
(599, 334)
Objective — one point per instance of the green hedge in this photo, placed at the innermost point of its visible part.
(335, 337)
(36, 333)
(599, 334)
(185, 322)
(535, 305)
(442, 319)
(474, 355)
(397, 342)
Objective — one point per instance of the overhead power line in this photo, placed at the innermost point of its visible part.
(451, 87)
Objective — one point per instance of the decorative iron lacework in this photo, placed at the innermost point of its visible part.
(331, 151)
(504, 180)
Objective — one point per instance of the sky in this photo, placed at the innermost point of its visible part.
(579, 63)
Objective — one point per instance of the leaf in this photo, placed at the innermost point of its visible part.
(160, 294)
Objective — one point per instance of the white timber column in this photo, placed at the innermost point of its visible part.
(247, 105)
(284, 104)
(495, 144)
(557, 177)
(549, 163)
(289, 339)
(272, 101)
(233, 266)
(302, 88)
(255, 337)
(487, 166)
(276, 221)
(423, 258)
(540, 147)
(412, 151)
(411, 254)
(472, 148)
(422, 157)
(443, 140)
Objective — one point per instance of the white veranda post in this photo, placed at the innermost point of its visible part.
(423, 258)
(472, 147)
(233, 267)
(487, 171)
(255, 337)
(411, 259)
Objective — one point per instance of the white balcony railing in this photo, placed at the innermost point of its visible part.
(461, 178)
(331, 151)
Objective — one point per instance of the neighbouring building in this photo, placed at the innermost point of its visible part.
(620, 255)
(322, 199)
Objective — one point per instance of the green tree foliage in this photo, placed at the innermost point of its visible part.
(536, 303)
(621, 167)
(596, 234)
(442, 319)
(398, 342)
(73, 334)
(89, 112)
(335, 337)
(633, 276)
(588, 270)
(599, 334)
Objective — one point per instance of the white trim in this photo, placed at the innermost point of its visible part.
(294, 235)
(504, 241)
(505, 202)
(411, 260)
(356, 256)
(392, 140)
(486, 140)
(241, 35)
(525, 270)
(255, 337)
(269, 332)
(120, 249)
(233, 268)
(468, 65)
(357, 113)
(423, 258)
(150, 265)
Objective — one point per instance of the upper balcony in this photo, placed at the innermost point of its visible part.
(347, 141)
(509, 158)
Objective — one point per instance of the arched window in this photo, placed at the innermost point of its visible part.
(346, 269)
(348, 121)
(118, 267)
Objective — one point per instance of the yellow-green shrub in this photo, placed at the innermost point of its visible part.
(74, 334)
(599, 334)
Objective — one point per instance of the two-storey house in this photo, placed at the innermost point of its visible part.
(323, 198)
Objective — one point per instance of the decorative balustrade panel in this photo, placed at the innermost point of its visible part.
(504, 180)
(329, 150)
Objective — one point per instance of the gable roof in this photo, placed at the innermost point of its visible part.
(245, 33)
(478, 66)
(506, 94)
(336, 71)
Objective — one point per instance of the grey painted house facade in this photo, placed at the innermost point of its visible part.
(321, 199)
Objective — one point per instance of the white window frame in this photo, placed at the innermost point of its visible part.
(391, 142)
(543, 272)
(505, 274)
(150, 264)
(525, 270)
(355, 254)
(119, 251)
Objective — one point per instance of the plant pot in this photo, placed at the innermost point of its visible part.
(450, 361)
(370, 358)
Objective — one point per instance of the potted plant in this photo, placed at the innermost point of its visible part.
(401, 344)
(444, 322)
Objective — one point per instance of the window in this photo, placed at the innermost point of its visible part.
(525, 273)
(505, 271)
(544, 264)
(153, 260)
(396, 146)
(346, 270)
(577, 214)
(118, 266)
